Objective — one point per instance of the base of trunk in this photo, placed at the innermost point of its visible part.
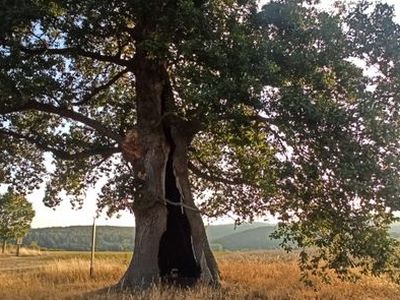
(166, 253)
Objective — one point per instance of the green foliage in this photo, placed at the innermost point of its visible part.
(16, 215)
(292, 124)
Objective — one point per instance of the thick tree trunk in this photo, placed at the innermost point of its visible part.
(3, 248)
(171, 244)
(143, 270)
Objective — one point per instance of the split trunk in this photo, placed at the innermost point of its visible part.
(170, 244)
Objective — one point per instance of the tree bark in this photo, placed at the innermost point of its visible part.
(170, 244)
(3, 248)
(143, 269)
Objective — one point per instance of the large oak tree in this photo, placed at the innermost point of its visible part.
(247, 111)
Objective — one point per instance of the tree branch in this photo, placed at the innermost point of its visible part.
(78, 52)
(100, 88)
(104, 151)
(199, 173)
(66, 113)
(267, 122)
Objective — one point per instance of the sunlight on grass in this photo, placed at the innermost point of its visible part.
(253, 275)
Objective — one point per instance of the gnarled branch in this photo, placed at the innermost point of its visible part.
(104, 151)
(66, 113)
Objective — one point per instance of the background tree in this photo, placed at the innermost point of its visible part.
(258, 111)
(16, 216)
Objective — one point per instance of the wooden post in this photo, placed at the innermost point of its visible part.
(93, 247)
(3, 248)
(18, 242)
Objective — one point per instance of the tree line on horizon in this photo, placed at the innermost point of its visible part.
(115, 238)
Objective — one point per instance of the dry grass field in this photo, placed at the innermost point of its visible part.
(252, 275)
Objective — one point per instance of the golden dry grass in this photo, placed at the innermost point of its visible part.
(253, 275)
(11, 251)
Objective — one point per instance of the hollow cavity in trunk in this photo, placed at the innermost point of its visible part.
(176, 259)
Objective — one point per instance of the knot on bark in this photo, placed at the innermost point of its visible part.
(132, 146)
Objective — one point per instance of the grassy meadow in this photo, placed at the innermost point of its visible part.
(245, 275)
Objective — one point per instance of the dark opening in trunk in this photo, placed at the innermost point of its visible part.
(176, 259)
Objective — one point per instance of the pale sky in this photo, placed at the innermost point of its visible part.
(64, 215)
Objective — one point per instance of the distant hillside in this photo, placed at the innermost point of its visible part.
(78, 238)
(218, 231)
(112, 238)
(251, 239)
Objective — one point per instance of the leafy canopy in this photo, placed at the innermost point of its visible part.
(16, 215)
(292, 123)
